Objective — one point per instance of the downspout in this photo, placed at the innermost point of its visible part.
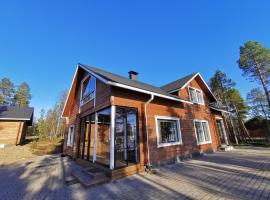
(148, 165)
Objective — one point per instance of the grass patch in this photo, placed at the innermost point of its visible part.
(44, 147)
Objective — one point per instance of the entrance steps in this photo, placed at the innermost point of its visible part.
(89, 175)
(226, 148)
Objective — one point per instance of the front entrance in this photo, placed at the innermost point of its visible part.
(221, 131)
(126, 140)
(95, 148)
(96, 137)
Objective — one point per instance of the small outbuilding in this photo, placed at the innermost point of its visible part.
(14, 121)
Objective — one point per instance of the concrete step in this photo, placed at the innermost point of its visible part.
(226, 148)
(90, 179)
(95, 173)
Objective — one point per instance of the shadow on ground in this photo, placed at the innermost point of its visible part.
(240, 174)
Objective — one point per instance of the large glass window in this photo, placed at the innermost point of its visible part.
(88, 89)
(196, 95)
(202, 132)
(70, 136)
(168, 131)
(103, 136)
(126, 147)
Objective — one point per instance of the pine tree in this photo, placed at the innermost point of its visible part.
(22, 95)
(255, 62)
(258, 103)
(220, 84)
(6, 91)
(258, 107)
(41, 125)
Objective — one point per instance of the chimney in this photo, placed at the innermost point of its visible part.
(133, 75)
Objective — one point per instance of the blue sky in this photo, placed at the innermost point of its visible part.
(41, 42)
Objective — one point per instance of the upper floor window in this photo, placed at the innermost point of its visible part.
(196, 96)
(168, 131)
(88, 89)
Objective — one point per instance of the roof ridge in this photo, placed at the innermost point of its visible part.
(119, 79)
(135, 81)
(178, 83)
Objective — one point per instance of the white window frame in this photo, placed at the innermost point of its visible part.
(178, 128)
(88, 76)
(70, 137)
(196, 90)
(210, 138)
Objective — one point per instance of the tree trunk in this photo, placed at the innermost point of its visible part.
(240, 121)
(264, 84)
(231, 122)
(267, 124)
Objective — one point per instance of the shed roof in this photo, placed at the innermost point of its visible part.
(17, 113)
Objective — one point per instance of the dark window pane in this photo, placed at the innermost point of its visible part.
(206, 131)
(88, 90)
(168, 131)
(199, 131)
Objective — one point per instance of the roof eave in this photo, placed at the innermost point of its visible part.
(15, 119)
(147, 92)
(221, 110)
(197, 74)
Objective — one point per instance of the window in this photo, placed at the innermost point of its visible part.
(202, 132)
(88, 89)
(70, 136)
(168, 131)
(196, 95)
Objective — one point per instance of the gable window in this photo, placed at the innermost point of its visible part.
(88, 89)
(202, 132)
(168, 131)
(196, 95)
(70, 137)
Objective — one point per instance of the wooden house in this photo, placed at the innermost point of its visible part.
(126, 125)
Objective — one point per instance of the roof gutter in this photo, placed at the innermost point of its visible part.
(16, 119)
(147, 132)
(219, 109)
(147, 92)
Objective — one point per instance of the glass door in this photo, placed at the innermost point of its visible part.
(221, 132)
(126, 147)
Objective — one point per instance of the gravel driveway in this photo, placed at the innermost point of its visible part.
(239, 174)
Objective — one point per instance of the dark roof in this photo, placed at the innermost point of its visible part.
(178, 83)
(17, 113)
(126, 81)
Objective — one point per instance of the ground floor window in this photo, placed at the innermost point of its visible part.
(168, 131)
(70, 137)
(202, 132)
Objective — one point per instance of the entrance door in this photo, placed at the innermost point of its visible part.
(221, 131)
(126, 147)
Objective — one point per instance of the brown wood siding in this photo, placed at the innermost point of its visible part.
(161, 107)
(12, 132)
(184, 93)
(136, 100)
(102, 100)
(106, 95)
